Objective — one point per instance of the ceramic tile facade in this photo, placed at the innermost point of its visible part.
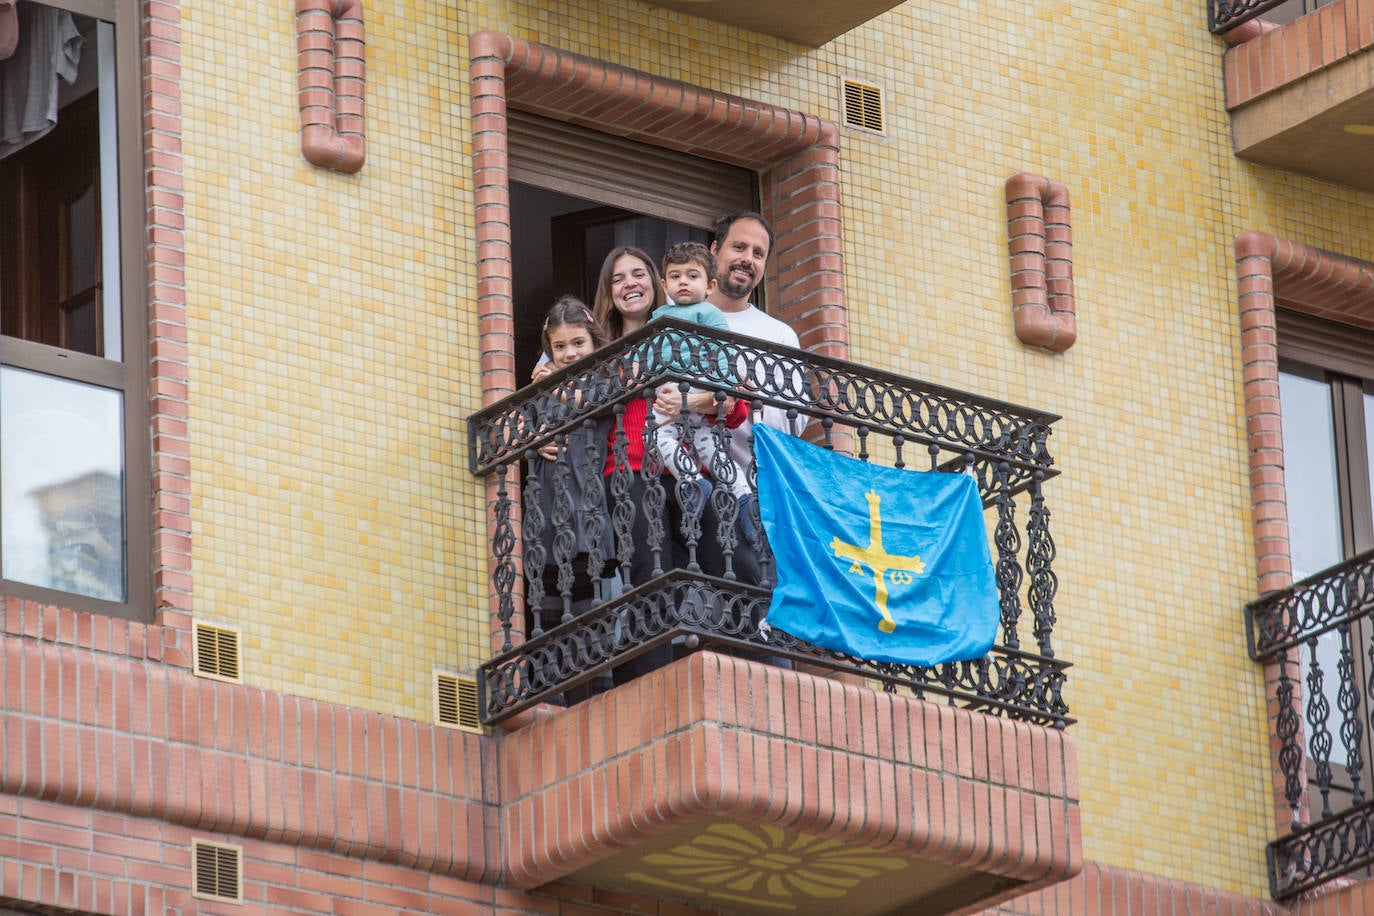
(331, 351)
(360, 305)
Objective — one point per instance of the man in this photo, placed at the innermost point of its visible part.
(742, 244)
(741, 248)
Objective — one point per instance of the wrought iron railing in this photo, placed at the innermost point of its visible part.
(1224, 15)
(575, 636)
(1301, 629)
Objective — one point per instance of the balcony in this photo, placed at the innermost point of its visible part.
(811, 24)
(1301, 94)
(747, 770)
(1316, 635)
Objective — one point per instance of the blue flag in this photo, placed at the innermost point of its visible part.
(882, 563)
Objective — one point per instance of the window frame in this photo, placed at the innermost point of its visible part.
(129, 374)
(1342, 357)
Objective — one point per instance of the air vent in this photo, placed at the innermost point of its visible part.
(863, 106)
(216, 871)
(455, 702)
(217, 652)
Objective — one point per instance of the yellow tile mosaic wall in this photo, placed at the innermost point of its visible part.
(333, 347)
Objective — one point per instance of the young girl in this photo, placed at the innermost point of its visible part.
(570, 333)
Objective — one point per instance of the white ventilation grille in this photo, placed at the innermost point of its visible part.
(216, 871)
(863, 106)
(216, 652)
(455, 702)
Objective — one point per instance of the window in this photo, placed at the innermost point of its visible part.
(1326, 382)
(576, 194)
(1326, 387)
(73, 361)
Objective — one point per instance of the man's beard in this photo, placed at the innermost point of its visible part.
(732, 289)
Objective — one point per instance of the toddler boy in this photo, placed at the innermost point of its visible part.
(689, 276)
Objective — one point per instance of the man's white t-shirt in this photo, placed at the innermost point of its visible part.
(756, 323)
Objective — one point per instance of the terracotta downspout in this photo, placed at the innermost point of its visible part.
(329, 52)
(1040, 243)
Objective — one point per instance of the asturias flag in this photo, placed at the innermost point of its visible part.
(882, 563)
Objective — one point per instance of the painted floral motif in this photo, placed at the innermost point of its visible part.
(764, 866)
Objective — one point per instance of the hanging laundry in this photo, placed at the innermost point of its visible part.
(49, 48)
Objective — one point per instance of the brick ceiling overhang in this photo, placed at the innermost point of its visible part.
(735, 786)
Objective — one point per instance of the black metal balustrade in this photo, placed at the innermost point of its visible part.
(1224, 15)
(877, 416)
(1332, 606)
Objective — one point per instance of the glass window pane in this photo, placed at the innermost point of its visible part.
(1309, 455)
(1369, 445)
(109, 194)
(82, 320)
(62, 485)
(1314, 509)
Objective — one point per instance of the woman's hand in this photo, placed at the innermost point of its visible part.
(668, 401)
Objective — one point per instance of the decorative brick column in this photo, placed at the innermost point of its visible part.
(168, 373)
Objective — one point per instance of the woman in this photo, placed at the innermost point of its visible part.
(627, 292)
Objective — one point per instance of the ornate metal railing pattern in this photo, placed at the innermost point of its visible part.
(577, 634)
(1331, 607)
(1224, 15)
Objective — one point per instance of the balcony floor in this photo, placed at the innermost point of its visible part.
(735, 786)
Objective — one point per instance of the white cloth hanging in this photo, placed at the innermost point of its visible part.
(49, 47)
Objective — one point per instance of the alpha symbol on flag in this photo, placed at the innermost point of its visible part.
(883, 564)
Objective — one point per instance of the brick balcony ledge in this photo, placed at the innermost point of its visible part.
(812, 23)
(1301, 94)
(728, 784)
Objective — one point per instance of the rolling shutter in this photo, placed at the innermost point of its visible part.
(1341, 348)
(622, 173)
